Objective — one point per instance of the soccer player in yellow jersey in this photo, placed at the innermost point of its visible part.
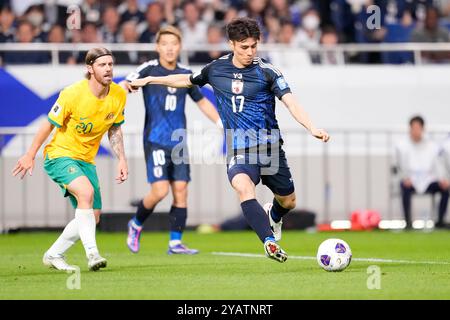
(83, 113)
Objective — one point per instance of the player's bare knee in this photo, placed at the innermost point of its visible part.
(245, 191)
(160, 192)
(86, 195)
(179, 191)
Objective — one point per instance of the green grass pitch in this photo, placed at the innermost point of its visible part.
(415, 265)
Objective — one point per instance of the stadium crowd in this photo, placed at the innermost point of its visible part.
(300, 23)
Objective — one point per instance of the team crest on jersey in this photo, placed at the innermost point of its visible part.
(237, 86)
(171, 90)
(72, 170)
(110, 116)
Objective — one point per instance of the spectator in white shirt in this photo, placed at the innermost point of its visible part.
(193, 28)
(417, 162)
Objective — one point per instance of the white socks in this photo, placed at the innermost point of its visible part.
(86, 228)
(83, 226)
(68, 237)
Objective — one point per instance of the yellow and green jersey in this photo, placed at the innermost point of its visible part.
(82, 119)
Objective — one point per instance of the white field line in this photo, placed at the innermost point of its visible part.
(252, 255)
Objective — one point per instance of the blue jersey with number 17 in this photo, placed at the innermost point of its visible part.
(164, 106)
(245, 97)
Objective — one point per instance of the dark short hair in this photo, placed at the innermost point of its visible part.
(329, 29)
(6, 7)
(242, 28)
(154, 4)
(417, 119)
(23, 23)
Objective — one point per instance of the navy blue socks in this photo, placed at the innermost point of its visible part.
(142, 214)
(257, 219)
(177, 218)
(277, 211)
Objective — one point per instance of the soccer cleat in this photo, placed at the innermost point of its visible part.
(274, 251)
(181, 249)
(134, 236)
(57, 262)
(95, 262)
(275, 226)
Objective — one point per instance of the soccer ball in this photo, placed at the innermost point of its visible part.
(334, 255)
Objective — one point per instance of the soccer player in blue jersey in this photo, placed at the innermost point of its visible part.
(245, 87)
(164, 114)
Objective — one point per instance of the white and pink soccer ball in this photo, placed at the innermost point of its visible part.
(334, 255)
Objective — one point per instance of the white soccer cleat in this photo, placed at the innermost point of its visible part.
(58, 263)
(275, 226)
(274, 251)
(95, 262)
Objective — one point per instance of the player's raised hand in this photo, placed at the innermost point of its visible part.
(24, 164)
(122, 171)
(140, 82)
(320, 134)
(128, 87)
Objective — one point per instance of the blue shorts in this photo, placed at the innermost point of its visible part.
(275, 174)
(162, 165)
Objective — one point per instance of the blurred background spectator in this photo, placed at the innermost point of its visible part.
(25, 33)
(35, 15)
(284, 11)
(193, 28)
(110, 25)
(56, 35)
(215, 36)
(7, 24)
(328, 38)
(91, 10)
(431, 31)
(128, 34)
(154, 18)
(420, 171)
(53, 14)
(147, 30)
(89, 34)
(298, 23)
(130, 10)
(308, 34)
(286, 37)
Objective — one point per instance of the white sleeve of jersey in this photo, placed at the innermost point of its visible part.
(140, 71)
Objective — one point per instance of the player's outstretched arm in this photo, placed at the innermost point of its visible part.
(208, 110)
(116, 140)
(26, 162)
(125, 84)
(173, 80)
(302, 117)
